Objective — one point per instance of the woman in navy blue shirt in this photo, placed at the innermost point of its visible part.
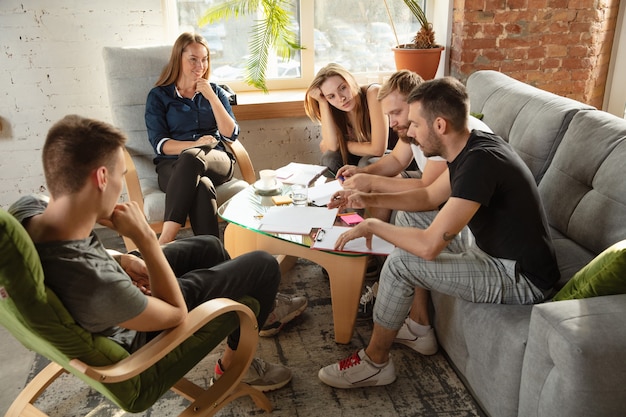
(187, 119)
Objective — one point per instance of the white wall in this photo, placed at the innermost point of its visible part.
(51, 65)
(615, 95)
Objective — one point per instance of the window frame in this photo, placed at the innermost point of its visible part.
(437, 11)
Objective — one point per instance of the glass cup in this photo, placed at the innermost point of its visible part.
(299, 195)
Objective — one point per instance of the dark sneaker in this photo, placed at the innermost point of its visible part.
(357, 371)
(287, 308)
(366, 303)
(261, 375)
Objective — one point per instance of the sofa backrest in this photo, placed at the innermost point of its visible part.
(584, 189)
(533, 121)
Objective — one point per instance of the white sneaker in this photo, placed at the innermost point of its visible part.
(366, 303)
(426, 345)
(356, 371)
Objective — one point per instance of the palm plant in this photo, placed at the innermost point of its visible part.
(425, 37)
(272, 32)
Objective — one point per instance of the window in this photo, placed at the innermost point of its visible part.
(354, 33)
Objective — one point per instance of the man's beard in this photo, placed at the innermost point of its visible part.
(403, 137)
(432, 139)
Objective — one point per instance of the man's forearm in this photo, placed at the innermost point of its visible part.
(395, 185)
(387, 166)
(412, 200)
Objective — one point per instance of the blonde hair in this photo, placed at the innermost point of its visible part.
(340, 117)
(403, 81)
(172, 69)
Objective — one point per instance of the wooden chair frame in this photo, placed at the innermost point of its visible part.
(204, 402)
(135, 194)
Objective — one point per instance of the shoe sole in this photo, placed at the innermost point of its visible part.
(408, 344)
(262, 388)
(275, 330)
(331, 382)
(268, 388)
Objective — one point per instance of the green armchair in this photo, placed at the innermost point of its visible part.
(134, 382)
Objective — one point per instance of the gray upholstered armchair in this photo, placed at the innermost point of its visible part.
(130, 73)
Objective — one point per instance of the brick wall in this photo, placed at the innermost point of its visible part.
(562, 46)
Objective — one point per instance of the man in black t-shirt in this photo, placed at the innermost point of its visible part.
(508, 257)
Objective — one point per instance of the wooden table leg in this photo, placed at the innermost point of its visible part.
(346, 273)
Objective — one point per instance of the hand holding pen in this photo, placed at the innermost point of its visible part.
(348, 199)
(346, 171)
(339, 199)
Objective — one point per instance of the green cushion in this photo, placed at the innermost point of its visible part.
(604, 275)
(37, 318)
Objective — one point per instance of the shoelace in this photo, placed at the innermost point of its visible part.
(257, 363)
(350, 361)
(368, 296)
(259, 366)
(284, 298)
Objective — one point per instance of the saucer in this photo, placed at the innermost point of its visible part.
(261, 190)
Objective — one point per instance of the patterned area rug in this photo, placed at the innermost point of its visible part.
(426, 385)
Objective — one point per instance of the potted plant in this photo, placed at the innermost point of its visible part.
(273, 32)
(423, 54)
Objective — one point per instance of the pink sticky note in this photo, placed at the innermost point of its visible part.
(351, 219)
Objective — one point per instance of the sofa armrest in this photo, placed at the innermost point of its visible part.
(575, 361)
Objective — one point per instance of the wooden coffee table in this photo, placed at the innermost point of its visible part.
(345, 270)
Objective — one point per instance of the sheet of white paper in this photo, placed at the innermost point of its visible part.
(297, 173)
(297, 220)
(329, 236)
(320, 194)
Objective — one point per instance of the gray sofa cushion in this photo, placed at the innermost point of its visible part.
(533, 121)
(570, 256)
(574, 363)
(584, 191)
(485, 343)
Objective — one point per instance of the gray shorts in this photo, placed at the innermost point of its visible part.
(461, 270)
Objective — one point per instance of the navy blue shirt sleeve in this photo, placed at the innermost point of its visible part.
(170, 116)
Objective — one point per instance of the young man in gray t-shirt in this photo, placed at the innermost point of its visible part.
(132, 298)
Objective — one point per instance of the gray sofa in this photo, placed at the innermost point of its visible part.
(558, 358)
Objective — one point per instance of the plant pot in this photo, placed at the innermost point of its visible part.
(422, 61)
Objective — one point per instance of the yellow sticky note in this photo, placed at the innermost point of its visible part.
(281, 200)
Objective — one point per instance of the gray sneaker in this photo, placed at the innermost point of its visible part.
(287, 308)
(261, 375)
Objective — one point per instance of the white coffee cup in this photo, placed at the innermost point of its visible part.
(268, 178)
(299, 195)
